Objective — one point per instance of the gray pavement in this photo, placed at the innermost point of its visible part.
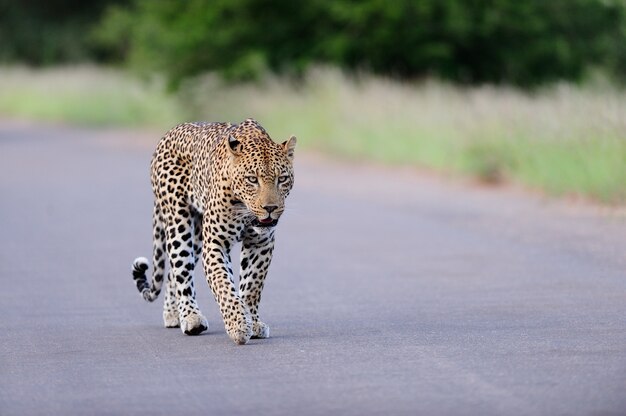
(390, 293)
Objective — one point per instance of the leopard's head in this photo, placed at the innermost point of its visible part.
(261, 173)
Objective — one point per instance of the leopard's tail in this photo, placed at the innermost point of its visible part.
(150, 291)
(140, 267)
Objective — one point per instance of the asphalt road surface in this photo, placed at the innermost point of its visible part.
(391, 293)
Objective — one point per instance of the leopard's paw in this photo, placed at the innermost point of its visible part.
(194, 324)
(260, 330)
(170, 319)
(240, 333)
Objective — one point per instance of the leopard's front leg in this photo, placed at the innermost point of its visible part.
(256, 255)
(219, 274)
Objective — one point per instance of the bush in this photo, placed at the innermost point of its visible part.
(49, 32)
(467, 41)
(497, 41)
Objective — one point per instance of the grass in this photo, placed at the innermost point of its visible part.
(564, 140)
(85, 95)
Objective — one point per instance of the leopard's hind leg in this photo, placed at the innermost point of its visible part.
(170, 305)
(179, 236)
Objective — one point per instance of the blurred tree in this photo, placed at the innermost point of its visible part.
(470, 41)
(241, 38)
(41, 32)
(520, 42)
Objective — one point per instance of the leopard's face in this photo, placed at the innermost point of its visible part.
(262, 177)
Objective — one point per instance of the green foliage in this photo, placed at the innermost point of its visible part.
(469, 41)
(49, 32)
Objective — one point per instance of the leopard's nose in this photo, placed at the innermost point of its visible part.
(270, 208)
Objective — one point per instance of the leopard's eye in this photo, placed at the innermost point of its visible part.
(283, 179)
(252, 179)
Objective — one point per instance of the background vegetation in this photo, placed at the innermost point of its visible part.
(527, 91)
(470, 41)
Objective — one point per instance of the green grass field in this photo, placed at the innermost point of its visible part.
(564, 140)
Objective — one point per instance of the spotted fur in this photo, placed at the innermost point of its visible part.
(215, 184)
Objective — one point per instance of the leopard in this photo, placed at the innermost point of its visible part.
(215, 185)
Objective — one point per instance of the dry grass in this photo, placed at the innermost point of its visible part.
(85, 95)
(565, 139)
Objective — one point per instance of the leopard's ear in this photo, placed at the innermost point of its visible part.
(289, 146)
(234, 146)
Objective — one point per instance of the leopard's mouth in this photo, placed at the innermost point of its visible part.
(265, 222)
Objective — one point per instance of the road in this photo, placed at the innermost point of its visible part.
(391, 293)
